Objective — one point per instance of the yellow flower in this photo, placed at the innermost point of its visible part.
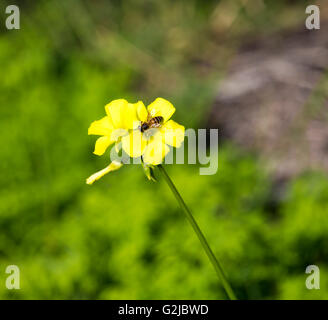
(123, 124)
(153, 143)
(121, 116)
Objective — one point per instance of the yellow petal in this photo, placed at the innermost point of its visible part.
(134, 144)
(155, 151)
(123, 114)
(142, 112)
(131, 120)
(116, 109)
(161, 107)
(102, 144)
(118, 133)
(101, 127)
(173, 133)
(115, 165)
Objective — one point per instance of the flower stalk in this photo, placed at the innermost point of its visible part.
(216, 264)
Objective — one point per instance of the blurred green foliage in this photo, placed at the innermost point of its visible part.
(124, 237)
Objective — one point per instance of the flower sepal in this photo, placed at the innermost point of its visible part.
(149, 171)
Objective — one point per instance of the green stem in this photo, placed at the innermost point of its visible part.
(200, 235)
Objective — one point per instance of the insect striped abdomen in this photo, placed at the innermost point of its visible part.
(157, 120)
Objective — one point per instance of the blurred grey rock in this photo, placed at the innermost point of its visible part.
(274, 101)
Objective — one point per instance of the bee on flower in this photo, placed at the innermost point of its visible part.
(139, 131)
(147, 133)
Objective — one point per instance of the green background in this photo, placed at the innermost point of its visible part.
(125, 237)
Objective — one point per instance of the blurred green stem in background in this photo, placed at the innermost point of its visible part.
(200, 235)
